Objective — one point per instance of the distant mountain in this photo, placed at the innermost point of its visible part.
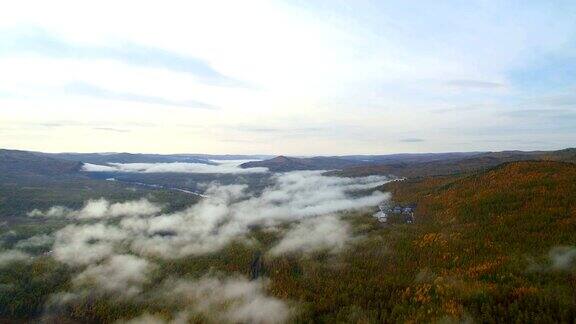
(31, 180)
(105, 158)
(226, 156)
(454, 164)
(284, 163)
(406, 165)
(410, 157)
(23, 163)
(565, 155)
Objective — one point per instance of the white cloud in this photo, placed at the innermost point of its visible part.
(563, 257)
(146, 318)
(10, 256)
(361, 70)
(86, 244)
(55, 211)
(120, 274)
(229, 300)
(232, 300)
(109, 246)
(94, 209)
(101, 208)
(135, 207)
(226, 214)
(35, 241)
(231, 166)
(89, 167)
(319, 233)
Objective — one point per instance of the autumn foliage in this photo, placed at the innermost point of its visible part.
(480, 250)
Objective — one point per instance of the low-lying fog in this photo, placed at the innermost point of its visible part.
(113, 246)
(217, 166)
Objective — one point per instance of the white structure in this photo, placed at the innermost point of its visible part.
(381, 216)
(406, 212)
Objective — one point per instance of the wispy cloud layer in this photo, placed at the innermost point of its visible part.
(123, 273)
(85, 89)
(38, 42)
(110, 129)
(412, 140)
(115, 249)
(9, 256)
(319, 233)
(101, 208)
(563, 257)
(221, 166)
(232, 300)
(372, 73)
(226, 214)
(474, 84)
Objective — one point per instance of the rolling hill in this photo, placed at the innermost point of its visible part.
(493, 245)
(455, 165)
(284, 163)
(31, 180)
(499, 245)
(104, 158)
(14, 163)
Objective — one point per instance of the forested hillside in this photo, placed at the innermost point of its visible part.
(455, 165)
(497, 246)
(31, 180)
(19, 164)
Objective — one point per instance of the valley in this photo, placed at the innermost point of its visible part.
(491, 237)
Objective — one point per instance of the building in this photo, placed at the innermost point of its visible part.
(381, 216)
(406, 213)
(384, 207)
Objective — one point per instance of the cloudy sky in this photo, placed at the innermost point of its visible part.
(291, 77)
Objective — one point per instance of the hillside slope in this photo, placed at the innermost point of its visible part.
(105, 158)
(15, 163)
(496, 245)
(284, 163)
(511, 203)
(519, 204)
(31, 180)
(465, 164)
(566, 155)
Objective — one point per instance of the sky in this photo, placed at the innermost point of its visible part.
(287, 77)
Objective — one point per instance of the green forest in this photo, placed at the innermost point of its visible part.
(494, 246)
